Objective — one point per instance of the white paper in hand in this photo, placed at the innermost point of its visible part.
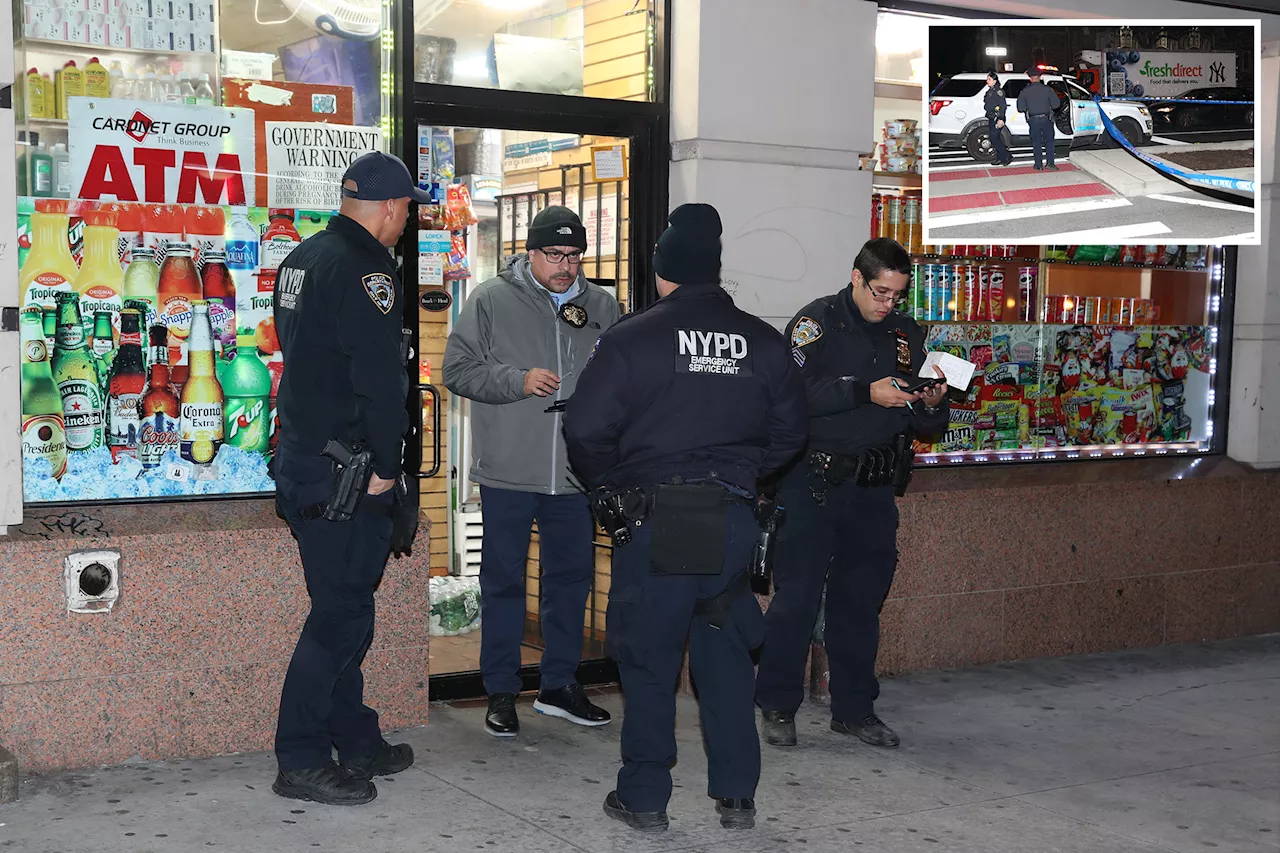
(958, 371)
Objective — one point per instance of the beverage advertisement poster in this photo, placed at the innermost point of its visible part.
(150, 362)
(137, 151)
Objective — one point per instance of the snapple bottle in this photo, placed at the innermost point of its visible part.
(162, 225)
(49, 267)
(179, 287)
(220, 293)
(206, 229)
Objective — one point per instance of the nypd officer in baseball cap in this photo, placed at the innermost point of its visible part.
(679, 411)
(338, 307)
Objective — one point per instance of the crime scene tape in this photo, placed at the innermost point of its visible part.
(1215, 181)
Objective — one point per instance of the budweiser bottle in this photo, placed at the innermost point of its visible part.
(127, 383)
(159, 408)
(201, 415)
(43, 435)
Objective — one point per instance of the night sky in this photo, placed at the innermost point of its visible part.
(957, 50)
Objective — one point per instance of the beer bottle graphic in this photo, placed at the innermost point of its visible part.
(43, 434)
(75, 372)
(159, 408)
(246, 383)
(50, 318)
(200, 421)
(125, 389)
(103, 347)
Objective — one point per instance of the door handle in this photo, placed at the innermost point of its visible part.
(435, 430)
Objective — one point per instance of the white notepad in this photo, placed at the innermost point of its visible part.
(958, 371)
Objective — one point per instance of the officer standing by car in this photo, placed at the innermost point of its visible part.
(679, 411)
(859, 359)
(516, 351)
(994, 102)
(1037, 102)
(338, 308)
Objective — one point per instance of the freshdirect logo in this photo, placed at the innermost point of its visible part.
(1167, 70)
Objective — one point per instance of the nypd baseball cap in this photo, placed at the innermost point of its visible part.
(378, 177)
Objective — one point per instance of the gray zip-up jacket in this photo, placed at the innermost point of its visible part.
(509, 326)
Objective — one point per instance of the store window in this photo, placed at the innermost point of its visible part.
(596, 48)
(170, 154)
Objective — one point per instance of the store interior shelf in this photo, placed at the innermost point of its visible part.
(65, 47)
(965, 258)
(897, 180)
(1123, 266)
(43, 122)
(899, 91)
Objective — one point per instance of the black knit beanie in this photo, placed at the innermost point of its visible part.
(556, 226)
(688, 252)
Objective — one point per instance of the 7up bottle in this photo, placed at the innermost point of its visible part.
(43, 435)
(75, 371)
(246, 382)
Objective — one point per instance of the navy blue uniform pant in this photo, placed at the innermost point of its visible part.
(850, 544)
(322, 703)
(996, 135)
(1041, 139)
(566, 547)
(650, 618)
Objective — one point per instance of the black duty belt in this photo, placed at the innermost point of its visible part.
(871, 468)
(311, 513)
(1038, 115)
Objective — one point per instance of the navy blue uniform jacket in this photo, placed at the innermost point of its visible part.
(338, 308)
(840, 355)
(994, 103)
(692, 387)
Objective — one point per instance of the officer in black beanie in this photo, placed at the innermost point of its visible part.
(680, 409)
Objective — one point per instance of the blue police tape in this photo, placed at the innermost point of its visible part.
(1174, 101)
(1216, 181)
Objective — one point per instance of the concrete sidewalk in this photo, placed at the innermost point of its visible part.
(975, 190)
(1171, 749)
(1130, 177)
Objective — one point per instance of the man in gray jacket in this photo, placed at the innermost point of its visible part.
(516, 352)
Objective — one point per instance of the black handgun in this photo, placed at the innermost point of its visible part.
(769, 514)
(352, 469)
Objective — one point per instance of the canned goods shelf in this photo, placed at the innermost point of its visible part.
(1124, 266)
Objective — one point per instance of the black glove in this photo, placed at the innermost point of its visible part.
(404, 521)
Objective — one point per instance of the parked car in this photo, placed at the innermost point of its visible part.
(1205, 114)
(957, 118)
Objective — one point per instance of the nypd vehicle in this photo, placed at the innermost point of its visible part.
(958, 119)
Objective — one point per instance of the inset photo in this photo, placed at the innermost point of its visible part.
(1091, 132)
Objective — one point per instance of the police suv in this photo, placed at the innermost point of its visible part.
(957, 118)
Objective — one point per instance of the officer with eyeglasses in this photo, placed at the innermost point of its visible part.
(860, 359)
(516, 351)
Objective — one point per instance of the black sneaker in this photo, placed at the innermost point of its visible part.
(385, 761)
(501, 721)
(779, 727)
(736, 814)
(1038, 168)
(571, 703)
(870, 730)
(639, 821)
(1052, 167)
(329, 785)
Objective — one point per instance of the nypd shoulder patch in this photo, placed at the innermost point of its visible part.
(806, 331)
(381, 290)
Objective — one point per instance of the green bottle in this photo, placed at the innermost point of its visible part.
(50, 318)
(246, 387)
(104, 347)
(75, 372)
(43, 433)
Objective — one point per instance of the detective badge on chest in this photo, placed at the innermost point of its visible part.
(574, 315)
(903, 350)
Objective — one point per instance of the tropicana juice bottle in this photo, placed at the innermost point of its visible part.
(49, 267)
(100, 279)
(179, 287)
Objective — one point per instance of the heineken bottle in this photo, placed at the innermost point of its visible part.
(75, 372)
(50, 318)
(104, 347)
(43, 435)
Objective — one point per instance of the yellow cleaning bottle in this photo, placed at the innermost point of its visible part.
(37, 101)
(97, 80)
(69, 84)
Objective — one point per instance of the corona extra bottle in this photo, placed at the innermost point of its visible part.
(200, 422)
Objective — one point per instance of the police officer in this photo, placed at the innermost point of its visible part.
(994, 102)
(860, 359)
(1037, 102)
(338, 309)
(679, 411)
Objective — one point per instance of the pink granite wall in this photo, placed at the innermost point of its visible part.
(1073, 558)
(190, 661)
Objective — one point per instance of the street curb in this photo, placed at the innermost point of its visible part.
(1129, 178)
(8, 776)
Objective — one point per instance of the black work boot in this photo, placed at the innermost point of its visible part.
(639, 821)
(386, 760)
(736, 814)
(571, 703)
(869, 729)
(329, 785)
(779, 727)
(501, 720)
